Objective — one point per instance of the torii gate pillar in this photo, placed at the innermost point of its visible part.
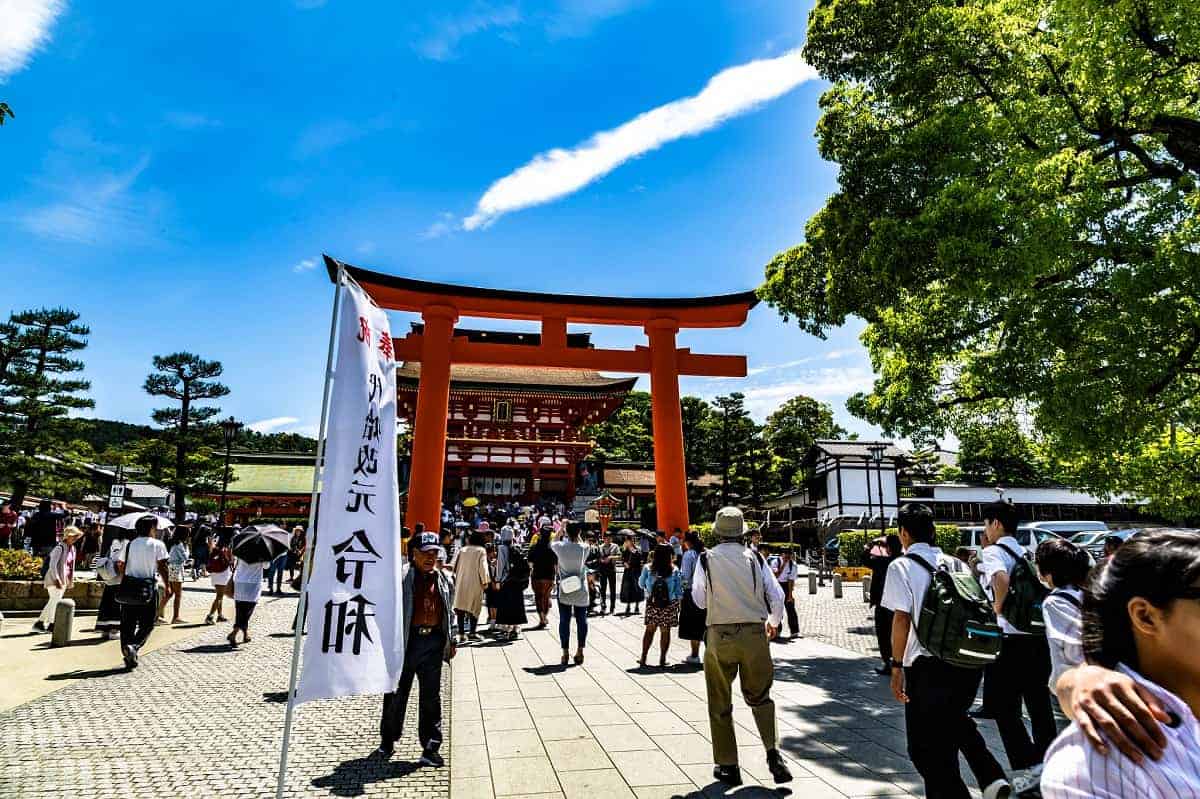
(429, 427)
(670, 475)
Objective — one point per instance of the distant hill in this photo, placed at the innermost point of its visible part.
(104, 433)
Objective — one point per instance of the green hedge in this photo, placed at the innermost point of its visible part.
(852, 542)
(17, 564)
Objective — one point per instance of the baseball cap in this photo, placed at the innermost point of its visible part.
(428, 541)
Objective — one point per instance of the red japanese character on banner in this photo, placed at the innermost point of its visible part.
(385, 345)
(364, 330)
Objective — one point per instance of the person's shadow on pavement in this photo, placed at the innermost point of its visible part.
(351, 777)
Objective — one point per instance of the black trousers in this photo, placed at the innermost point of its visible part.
(137, 622)
(1019, 675)
(883, 631)
(789, 605)
(242, 611)
(937, 728)
(608, 583)
(423, 661)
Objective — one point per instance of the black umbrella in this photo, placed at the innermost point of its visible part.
(261, 544)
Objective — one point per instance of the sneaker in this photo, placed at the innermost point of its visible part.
(384, 751)
(692, 660)
(430, 757)
(39, 627)
(1000, 789)
(131, 656)
(209, 619)
(730, 775)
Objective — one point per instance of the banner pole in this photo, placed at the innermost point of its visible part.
(306, 567)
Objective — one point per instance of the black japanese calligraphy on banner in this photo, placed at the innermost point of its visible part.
(354, 589)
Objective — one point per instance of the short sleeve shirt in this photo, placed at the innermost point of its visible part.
(1064, 631)
(142, 556)
(905, 587)
(992, 561)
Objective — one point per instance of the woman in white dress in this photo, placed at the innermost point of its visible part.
(220, 570)
(247, 587)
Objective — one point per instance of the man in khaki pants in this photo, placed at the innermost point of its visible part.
(745, 607)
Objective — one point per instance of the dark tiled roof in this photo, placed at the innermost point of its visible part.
(522, 377)
(856, 449)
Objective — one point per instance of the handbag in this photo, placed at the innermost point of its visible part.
(135, 590)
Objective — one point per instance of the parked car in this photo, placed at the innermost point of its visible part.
(1028, 536)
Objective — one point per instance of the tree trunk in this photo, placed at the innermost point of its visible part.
(181, 455)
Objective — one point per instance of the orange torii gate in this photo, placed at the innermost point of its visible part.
(441, 305)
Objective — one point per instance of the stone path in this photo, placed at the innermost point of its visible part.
(524, 726)
(196, 719)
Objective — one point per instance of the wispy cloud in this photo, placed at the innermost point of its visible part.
(189, 120)
(443, 226)
(271, 425)
(100, 208)
(306, 265)
(24, 29)
(557, 173)
(775, 367)
(441, 42)
(330, 134)
(829, 384)
(575, 18)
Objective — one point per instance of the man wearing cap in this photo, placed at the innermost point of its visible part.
(745, 607)
(428, 642)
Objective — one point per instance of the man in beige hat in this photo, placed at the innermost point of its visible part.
(745, 606)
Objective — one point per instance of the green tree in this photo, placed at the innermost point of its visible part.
(627, 434)
(1016, 214)
(730, 432)
(37, 387)
(696, 451)
(791, 430)
(6, 111)
(994, 449)
(186, 378)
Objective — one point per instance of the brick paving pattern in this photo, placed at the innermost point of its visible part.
(196, 719)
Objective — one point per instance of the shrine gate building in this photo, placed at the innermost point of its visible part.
(515, 432)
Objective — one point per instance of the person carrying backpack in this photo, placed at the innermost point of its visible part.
(938, 687)
(510, 612)
(1023, 669)
(664, 592)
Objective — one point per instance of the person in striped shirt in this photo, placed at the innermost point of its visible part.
(1142, 621)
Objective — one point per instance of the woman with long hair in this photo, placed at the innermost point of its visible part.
(220, 572)
(631, 556)
(177, 557)
(1141, 617)
(572, 591)
(471, 577)
(693, 620)
(664, 590)
(544, 565)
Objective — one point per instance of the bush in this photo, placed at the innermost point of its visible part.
(946, 538)
(850, 546)
(17, 564)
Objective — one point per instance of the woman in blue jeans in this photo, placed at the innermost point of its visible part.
(572, 591)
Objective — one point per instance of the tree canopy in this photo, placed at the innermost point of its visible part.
(792, 429)
(1016, 213)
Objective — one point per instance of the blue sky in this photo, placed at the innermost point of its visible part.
(174, 172)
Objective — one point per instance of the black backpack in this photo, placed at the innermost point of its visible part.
(518, 568)
(1023, 603)
(660, 593)
(957, 623)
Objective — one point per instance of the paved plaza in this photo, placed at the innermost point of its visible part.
(197, 719)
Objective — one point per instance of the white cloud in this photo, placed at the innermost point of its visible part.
(577, 17)
(557, 173)
(774, 367)
(828, 385)
(441, 43)
(837, 355)
(24, 28)
(271, 425)
(443, 226)
(100, 208)
(306, 265)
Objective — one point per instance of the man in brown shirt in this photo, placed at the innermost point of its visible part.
(428, 643)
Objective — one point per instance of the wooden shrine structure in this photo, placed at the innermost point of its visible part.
(437, 348)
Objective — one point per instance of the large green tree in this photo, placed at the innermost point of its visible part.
(993, 448)
(791, 430)
(37, 387)
(1016, 213)
(627, 434)
(730, 437)
(187, 379)
(696, 448)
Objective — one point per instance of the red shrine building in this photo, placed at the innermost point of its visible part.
(516, 432)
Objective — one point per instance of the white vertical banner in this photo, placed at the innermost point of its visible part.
(354, 644)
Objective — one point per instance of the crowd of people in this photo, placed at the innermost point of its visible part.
(1114, 644)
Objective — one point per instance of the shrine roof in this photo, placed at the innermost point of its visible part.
(407, 294)
(523, 378)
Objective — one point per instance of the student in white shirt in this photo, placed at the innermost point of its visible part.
(1142, 619)
(145, 558)
(787, 572)
(936, 695)
(1022, 670)
(1064, 569)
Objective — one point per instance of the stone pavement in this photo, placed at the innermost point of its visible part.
(197, 719)
(525, 726)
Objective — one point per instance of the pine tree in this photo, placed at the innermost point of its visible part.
(35, 349)
(186, 378)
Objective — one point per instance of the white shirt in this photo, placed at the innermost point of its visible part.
(1075, 770)
(1064, 631)
(992, 561)
(247, 581)
(788, 572)
(905, 587)
(774, 590)
(142, 556)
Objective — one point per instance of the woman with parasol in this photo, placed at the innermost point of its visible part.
(253, 547)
